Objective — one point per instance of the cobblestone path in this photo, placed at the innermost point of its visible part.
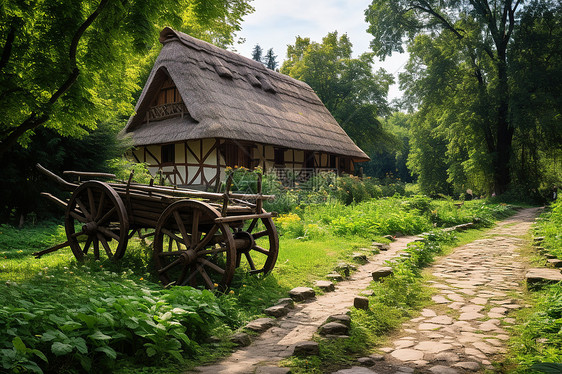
(302, 322)
(464, 331)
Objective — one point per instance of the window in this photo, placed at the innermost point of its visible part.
(332, 162)
(168, 153)
(279, 157)
(237, 155)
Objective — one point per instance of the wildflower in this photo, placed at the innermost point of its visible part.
(243, 285)
(141, 278)
(216, 285)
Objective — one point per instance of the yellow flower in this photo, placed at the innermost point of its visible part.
(231, 292)
(141, 278)
(215, 285)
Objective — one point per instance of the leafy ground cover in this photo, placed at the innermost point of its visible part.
(539, 338)
(60, 316)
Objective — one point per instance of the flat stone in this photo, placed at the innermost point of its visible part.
(361, 302)
(439, 299)
(302, 293)
(405, 370)
(381, 273)
(499, 310)
(260, 324)
(407, 354)
(479, 301)
(377, 357)
(277, 311)
(432, 347)
(428, 313)
(537, 276)
(286, 301)
(468, 365)
(381, 246)
(325, 286)
(333, 328)
(336, 277)
(360, 257)
(400, 344)
(386, 349)
(485, 348)
(554, 262)
(447, 356)
(241, 339)
(441, 369)
(344, 268)
(272, 370)
(344, 319)
(306, 348)
(429, 326)
(440, 320)
(469, 316)
(355, 370)
(471, 308)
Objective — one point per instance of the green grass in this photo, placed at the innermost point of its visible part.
(311, 245)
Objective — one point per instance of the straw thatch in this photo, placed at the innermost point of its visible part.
(229, 96)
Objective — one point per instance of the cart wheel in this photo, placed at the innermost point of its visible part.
(191, 249)
(102, 214)
(260, 255)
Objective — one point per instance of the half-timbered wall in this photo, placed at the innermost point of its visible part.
(203, 162)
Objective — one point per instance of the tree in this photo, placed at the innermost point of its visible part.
(70, 64)
(270, 60)
(347, 86)
(257, 53)
(468, 44)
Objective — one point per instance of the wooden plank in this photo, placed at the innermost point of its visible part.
(244, 217)
(90, 174)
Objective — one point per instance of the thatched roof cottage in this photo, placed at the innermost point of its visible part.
(204, 108)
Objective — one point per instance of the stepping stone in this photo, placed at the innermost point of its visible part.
(344, 319)
(325, 286)
(286, 301)
(554, 262)
(537, 276)
(407, 354)
(361, 302)
(432, 347)
(302, 293)
(355, 370)
(336, 277)
(468, 365)
(377, 357)
(428, 313)
(366, 361)
(345, 269)
(381, 273)
(333, 328)
(440, 369)
(277, 311)
(439, 299)
(469, 316)
(306, 348)
(549, 255)
(381, 246)
(272, 370)
(360, 257)
(447, 356)
(401, 344)
(241, 339)
(260, 324)
(441, 320)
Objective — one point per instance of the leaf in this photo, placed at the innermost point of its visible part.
(98, 335)
(150, 351)
(19, 345)
(548, 367)
(39, 354)
(61, 349)
(80, 345)
(109, 352)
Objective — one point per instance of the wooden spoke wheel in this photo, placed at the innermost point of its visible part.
(191, 249)
(257, 245)
(100, 212)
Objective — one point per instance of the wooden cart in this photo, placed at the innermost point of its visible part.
(199, 238)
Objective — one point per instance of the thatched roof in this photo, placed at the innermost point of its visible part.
(232, 97)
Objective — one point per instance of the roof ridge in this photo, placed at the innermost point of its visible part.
(169, 35)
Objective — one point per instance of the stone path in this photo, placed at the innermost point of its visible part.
(302, 322)
(466, 329)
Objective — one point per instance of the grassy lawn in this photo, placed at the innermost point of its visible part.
(61, 316)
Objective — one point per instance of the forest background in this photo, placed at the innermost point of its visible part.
(481, 113)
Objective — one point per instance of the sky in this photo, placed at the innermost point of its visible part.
(276, 23)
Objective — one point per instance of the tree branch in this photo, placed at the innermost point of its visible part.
(35, 120)
(7, 50)
(440, 18)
